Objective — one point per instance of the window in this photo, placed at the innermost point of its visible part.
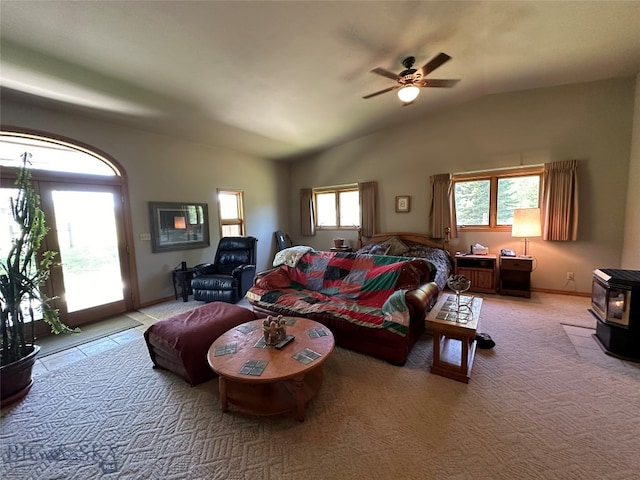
(337, 207)
(231, 211)
(485, 201)
(52, 154)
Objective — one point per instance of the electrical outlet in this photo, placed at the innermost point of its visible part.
(570, 276)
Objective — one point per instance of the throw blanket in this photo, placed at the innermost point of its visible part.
(368, 290)
(290, 256)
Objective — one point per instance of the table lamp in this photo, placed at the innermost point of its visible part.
(526, 223)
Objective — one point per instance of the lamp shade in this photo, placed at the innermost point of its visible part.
(408, 94)
(526, 223)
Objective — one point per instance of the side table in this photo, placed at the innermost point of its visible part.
(480, 269)
(515, 276)
(183, 278)
(454, 343)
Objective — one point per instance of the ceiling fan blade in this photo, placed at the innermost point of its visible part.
(385, 73)
(434, 63)
(381, 91)
(437, 83)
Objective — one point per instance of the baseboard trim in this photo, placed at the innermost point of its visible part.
(562, 292)
(155, 302)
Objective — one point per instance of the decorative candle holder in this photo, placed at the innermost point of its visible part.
(275, 330)
(460, 284)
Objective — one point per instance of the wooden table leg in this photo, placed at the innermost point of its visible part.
(298, 383)
(222, 386)
(464, 361)
(437, 339)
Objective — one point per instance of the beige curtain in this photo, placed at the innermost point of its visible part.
(443, 211)
(368, 195)
(560, 201)
(307, 213)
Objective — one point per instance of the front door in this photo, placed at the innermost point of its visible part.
(86, 228)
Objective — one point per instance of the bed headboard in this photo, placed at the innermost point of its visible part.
(419, 238)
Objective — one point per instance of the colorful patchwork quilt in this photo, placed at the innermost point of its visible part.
(368, 290)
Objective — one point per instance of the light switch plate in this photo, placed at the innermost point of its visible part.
(145, 237)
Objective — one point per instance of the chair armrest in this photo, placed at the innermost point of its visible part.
(420, 300)
(241, 268)
(204, 269)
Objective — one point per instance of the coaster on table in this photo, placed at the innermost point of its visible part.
(290, 320)
(448, 316)
(316, 332)
(261, 343)
(247, 328)
(228, 349)
(306, 356)
(254, 367)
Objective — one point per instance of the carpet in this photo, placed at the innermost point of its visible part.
(534, 409)
(88, 333)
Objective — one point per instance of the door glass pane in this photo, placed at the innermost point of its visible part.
(9, 231)
(88, 242)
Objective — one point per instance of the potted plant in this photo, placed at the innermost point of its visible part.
(22, 273)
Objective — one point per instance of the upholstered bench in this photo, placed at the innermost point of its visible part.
(180, 343)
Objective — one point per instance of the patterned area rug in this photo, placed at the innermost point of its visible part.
(533, 409)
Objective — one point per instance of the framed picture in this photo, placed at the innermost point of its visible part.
(178, 226)
(403, 204)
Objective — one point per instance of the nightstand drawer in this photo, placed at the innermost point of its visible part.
(524, 265)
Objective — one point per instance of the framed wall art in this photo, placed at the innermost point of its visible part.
(403, 204)
(178, 226)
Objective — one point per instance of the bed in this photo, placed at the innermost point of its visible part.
(412, 245)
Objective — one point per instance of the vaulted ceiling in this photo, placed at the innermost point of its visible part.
(280, 79)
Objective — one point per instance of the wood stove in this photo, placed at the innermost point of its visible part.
(615, 302)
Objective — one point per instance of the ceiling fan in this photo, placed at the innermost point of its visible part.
(410, 79)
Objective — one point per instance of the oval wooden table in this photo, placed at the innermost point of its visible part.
(292, 376)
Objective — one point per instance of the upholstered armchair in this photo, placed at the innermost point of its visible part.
(231, 274)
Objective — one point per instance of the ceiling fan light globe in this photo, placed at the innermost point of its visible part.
(408, 94)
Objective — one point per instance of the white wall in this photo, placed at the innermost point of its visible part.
(160, 168)
(631, 248)
(590, 122)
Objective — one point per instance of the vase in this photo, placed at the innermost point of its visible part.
(15, 378)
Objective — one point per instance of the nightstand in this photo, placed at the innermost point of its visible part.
(515, 276)
(480, 270)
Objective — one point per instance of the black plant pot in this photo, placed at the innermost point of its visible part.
(15, 378)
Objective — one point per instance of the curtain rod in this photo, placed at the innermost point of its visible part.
(519, 167)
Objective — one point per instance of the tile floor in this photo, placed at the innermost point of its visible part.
(582, 339)
(71, 355)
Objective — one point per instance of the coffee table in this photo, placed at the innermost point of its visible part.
(454, 343)
(285, 384)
